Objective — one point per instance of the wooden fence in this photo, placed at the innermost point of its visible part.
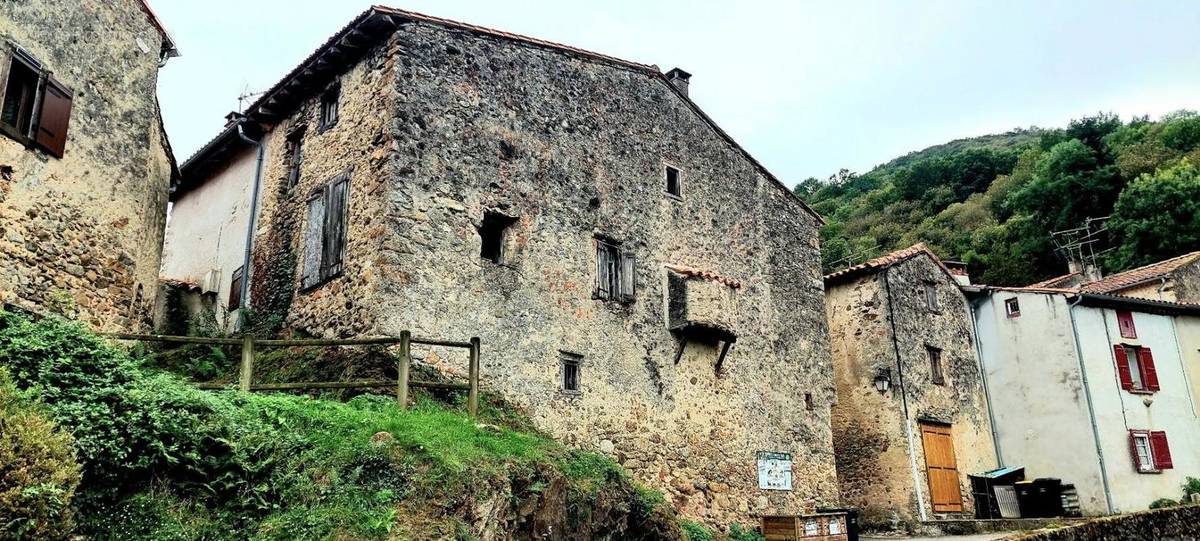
(405, 341)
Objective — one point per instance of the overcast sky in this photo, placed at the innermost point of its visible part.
(807, 87)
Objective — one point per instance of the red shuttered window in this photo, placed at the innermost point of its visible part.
(1125, 322)
(1150, 451)
(1135, 368)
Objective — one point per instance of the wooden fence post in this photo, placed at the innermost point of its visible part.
(473, 375)
(247, 373)
(402, 370)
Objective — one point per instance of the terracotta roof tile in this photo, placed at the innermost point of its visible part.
(705, 275)
(1130, 278)
(886, 260)
(1057, 281)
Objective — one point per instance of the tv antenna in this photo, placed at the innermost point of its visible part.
(1082, 246)
(245, 97)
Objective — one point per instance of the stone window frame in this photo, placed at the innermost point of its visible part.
(937, 365)
(574, 361)
(667, 167)
(329, 260)
(929, 289)
(496, 223)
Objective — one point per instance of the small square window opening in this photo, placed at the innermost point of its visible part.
(492, 234)
(674, 186)
(935, 365)
(570, 365)
(808, 402)
(1012, 307)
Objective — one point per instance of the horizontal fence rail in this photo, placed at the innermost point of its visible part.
(248, 344)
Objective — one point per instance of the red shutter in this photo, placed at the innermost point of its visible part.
(1137, 463)
(1125, 322)
(1160, 450)
(1123, 367)
(54, 118)
(1149, 374)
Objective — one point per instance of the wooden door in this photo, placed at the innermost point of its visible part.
(942, 468)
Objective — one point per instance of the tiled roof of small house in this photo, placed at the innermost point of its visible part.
(885, 261)
(1057, 281)
(1130, 278)
(705, 275)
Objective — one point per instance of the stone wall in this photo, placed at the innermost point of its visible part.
(575, 149)
(83, 234)
(874, 466)
(1170, 523)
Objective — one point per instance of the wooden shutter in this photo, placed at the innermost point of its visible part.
(1137, 461)
(314, 240)
(1160, 451)
(54, 117)
(627, 276)
(1123, 367)
(235, 290)
(604, 266)
(1125, 323)
(335, 226)
(1149, 374)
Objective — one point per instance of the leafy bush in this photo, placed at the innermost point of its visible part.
(739, 533)
(38, 472)
(1190, 487)
(1162, 503)
(694, 531)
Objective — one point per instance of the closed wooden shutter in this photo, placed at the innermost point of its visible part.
(942, 468)
(336, 213)
(628, 276)
(1162, 453)
(1125, 323)
(235, 290)
(1123, 367)
(54, 118)
(1149, 374)
(313, 240)
(604, 267)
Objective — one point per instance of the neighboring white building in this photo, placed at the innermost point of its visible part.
(1094, 390)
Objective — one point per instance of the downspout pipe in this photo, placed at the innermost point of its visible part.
(987, 394)
(1087, 393)
(250, 224)
(912, 457)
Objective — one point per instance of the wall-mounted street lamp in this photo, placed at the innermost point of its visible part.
(883, 380)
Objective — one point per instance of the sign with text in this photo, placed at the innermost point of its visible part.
(774, 470)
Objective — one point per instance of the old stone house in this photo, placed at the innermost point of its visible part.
(641, 285)
(1096, 390)
(911, 419)
(85, 166)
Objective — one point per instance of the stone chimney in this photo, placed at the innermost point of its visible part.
(680, 79)
(1089, 271)
(233, 118)
(959, 270)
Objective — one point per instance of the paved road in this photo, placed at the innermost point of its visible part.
(972, 537)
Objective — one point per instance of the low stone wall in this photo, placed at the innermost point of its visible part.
(1171, 523)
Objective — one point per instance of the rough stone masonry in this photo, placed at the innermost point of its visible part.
(82, 233)
(446, 130)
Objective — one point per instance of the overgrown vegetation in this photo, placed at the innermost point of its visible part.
(993, 201)
(162, 460)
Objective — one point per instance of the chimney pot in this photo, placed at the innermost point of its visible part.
(233, 118)
(680, 79)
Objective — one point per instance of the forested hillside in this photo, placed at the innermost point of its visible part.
(993, 201)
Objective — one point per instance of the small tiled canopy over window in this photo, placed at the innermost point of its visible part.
(615, 271)
(1150, 451)
(36, 108)
(1135, 368)
(325, 233)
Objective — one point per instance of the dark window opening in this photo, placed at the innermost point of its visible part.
(616, 270)
(808, 402)
(931, 300)
(1012, 308)
(19, 97)
(569, 364)
(673, 183)
(935, 365)
(295, 150)
(235, 290)
(492, 234)
(329, 107)
(325, 234)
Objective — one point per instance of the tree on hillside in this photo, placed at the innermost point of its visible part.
(1070, 185)
(1156, 217)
